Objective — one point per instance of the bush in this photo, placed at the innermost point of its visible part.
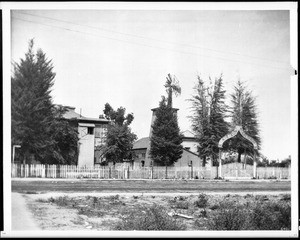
(182, 205)
(228, 217)
(154, 218)
(270, 216)
(262, 215)
(202, 200)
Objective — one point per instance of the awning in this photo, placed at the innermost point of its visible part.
(86, 125)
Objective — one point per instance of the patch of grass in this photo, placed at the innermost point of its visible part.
(154, 218)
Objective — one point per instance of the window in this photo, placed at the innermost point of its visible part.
(90, 130)
(143, 163)
(143, 155)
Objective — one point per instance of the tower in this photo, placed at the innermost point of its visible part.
(154, 117)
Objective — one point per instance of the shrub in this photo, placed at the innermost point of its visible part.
(262, 215)
(270, 216)
(60, 201)
(214, 207)
(182, 205)
(154, 218)
(286, 197)
(202, 200)
(228, 217)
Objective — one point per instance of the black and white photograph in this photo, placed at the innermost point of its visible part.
(150, 119)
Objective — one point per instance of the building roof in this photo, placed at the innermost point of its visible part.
(188, 134)
(142, 143)
(71, 114)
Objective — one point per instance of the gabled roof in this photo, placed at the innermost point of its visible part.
(71, 114)
(142, 143)
(188, 134)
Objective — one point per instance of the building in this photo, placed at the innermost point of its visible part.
(92, 136)
(141, 149)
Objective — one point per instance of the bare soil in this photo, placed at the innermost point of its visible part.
(101, 211)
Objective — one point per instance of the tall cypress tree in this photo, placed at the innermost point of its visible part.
(244, 113)
(166, 139)
(36, 125)
(32, 108)
(208, 119)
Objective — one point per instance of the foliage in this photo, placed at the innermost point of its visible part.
(208, 119)
(65, 135)
(166, 139)
(202, 201)
(154, 218)
(270, 216)
(119, 137)
(228, 216)
(35, 123)
(244, 113)
(262, 215)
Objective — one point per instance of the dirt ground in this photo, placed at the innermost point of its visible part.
(101, 211)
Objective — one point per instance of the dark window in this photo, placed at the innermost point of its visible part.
(90, 130)
(143, 163)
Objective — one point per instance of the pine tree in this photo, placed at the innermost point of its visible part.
(244, 113)
(166, 139)
(208, 118)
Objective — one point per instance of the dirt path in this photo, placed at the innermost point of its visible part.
(171, 186)
(22, 218)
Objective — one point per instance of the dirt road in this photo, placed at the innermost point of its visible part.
(81, 185)
(22, 218)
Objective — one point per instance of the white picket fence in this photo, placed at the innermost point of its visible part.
(234, 170)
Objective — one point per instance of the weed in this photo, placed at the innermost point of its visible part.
(202, 200)
(286, 197)
(270, 216)
(182, 198)
(154, 218)
(232, 218)
(214, 207)
(182, 205)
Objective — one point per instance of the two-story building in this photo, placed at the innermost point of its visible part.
(92, 136)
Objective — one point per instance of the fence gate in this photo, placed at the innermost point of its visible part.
(237, 171)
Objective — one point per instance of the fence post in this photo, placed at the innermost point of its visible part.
(152, 171)
(128, 173)
(166, 173)
(109, 172)
(191, 169)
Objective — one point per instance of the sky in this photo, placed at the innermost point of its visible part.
(122, 57)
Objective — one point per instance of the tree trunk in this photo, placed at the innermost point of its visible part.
(240, 151)
(204, 161)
